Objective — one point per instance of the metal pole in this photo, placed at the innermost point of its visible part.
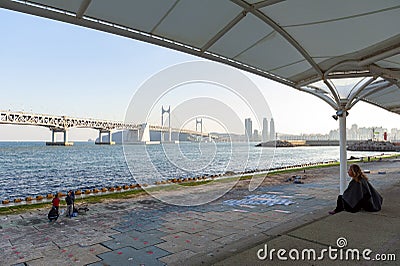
(343, 152)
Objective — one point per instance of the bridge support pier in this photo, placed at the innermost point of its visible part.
(100, 141)
(144, 133)
(54, 141)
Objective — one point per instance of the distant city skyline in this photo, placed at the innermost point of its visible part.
(353, 133)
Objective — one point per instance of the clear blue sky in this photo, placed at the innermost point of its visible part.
(56, 68)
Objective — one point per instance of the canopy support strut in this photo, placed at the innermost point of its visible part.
(343, 152)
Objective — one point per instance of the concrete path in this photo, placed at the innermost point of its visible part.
(347, 235)
(228, 231)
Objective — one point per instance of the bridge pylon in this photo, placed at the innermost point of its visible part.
(144, 133)
(199, 122)
(108, 140)
(54, 141)
(168, 111)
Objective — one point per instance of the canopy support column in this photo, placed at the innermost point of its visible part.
(343, 152)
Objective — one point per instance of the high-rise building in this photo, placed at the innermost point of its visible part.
(272, 130)
(255, 135)
(248, 127)
(265, 130)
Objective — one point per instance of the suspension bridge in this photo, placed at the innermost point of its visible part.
(135, 133)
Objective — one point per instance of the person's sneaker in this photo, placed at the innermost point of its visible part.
(332, 212)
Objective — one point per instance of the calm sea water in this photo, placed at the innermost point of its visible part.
(31, 168)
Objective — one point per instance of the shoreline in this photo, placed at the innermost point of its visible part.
(271, 177)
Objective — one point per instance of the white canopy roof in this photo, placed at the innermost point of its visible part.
(294, 42)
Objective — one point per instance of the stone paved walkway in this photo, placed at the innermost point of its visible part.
(146, 231)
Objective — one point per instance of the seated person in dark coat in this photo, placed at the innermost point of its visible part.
(360, 194)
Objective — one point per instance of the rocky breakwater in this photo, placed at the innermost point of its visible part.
(277, 143)
(370, 145)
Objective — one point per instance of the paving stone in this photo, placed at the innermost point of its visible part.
(192, 227)
(148, 226)
(153, 251)
(207, 236)
(229, 239)
(100, 263)
(72, 255)
(94, 240)
(267, 225)
(220, 231)
(213, 216)
(177, 257)
(17, 255)
(134, 239)
(182, 240)
(5, 243)
(129, 256)
(171, 247)
(170, 228)
(246, 223)
(61, 240)
(65, 241)
(232, 216)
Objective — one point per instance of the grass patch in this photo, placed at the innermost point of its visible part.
(23, 208)
(193, 184)
(113, 195)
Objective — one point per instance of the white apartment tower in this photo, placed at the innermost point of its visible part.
(272, 135)
(265, 130)
(248, 127)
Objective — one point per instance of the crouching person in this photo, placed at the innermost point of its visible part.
(53, 214)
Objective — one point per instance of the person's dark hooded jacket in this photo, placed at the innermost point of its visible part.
(362, 195)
